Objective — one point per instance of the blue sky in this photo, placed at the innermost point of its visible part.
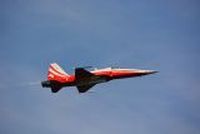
(158, 34)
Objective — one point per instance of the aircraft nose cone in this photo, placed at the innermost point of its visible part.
(151, 72)
(147, 72)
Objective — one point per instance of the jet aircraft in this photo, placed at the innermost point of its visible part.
(84, 79)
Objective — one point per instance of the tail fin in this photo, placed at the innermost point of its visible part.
(56, 73)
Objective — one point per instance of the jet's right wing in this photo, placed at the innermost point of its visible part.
(84, 88)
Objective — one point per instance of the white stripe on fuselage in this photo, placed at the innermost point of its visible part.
(116, 69)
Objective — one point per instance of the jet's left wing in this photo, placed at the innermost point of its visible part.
(81, 73)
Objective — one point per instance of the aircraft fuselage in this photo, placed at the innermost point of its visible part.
(84, 79)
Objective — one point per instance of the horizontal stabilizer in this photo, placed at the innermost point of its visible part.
(54, 85)
(55, 89)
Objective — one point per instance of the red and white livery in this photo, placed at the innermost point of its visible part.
(84, 79)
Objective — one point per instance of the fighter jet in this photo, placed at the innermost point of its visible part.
(84, 79)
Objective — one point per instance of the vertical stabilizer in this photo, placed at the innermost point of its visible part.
(56, 73)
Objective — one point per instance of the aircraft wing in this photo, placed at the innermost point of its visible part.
(83, 78)
(84, 88)
(81, 73)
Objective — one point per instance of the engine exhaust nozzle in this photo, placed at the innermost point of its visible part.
(46, 84)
